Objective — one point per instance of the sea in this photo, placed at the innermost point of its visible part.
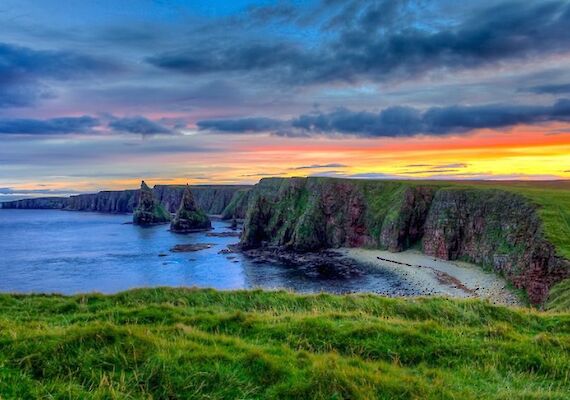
(70, 252)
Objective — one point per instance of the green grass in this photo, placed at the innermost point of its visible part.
(559, 298)
(176, 343)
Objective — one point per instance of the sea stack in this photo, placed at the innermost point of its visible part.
(189, 218)
(149, 211)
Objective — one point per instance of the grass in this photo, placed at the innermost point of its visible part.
(559, 299)
(180, 343)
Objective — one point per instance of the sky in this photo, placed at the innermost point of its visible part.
(100, 94)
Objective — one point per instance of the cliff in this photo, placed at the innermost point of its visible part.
(213, 199)
(495, 228)
(237, 207)
(44, 203)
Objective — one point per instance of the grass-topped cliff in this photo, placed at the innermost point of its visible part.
(176, 343)
(519, 229)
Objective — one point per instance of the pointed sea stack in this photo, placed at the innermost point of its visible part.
(189, 218)
(149, 211)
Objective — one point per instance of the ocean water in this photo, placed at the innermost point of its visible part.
(50, 251)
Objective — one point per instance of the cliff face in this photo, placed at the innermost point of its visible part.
(211, 199)
(44, 203)
(311, 214)
(123, 201)
(490, 227)
(237, 207)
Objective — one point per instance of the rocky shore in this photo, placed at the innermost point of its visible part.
(323, 264)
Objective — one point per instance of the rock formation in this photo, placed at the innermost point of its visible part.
(149, 211)
(189, 218)
(490, 227)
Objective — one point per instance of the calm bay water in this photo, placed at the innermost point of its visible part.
(52, 251)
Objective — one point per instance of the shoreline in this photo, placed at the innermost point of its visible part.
(436, 277)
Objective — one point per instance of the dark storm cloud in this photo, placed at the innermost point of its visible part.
(365, 48)
(248, 57)
(82, 125)
(24, 71)
(550, 89)
(22, 63)
(139, 125)
(399, 121)
(54, 126)
(241, 125)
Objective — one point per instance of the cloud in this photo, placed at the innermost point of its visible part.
(241, 125)
(139, 125)
(66, 125)
(19, 192)
(550, 89)
(363, 175)
(318, 166)
(398, 121)
(432, 171)
(261, 174)
(380, 41)
(439, 166)
(24, 72)
(85, 125)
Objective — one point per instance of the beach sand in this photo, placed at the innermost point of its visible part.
(436, 277)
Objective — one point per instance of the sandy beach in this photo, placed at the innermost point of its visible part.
(436, 277)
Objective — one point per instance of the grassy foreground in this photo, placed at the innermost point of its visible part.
(180, 343)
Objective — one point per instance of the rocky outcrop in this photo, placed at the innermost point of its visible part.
(312, 214)
(189, 218)
(213, 199)
(493, 228)
(149, 211)
(497, 229)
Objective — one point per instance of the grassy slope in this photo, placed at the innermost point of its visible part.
(175, 343)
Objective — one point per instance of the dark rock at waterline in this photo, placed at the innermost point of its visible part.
(189, 218)
(223, 234)
(324, 264)
(187, 248)
(149, 211)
